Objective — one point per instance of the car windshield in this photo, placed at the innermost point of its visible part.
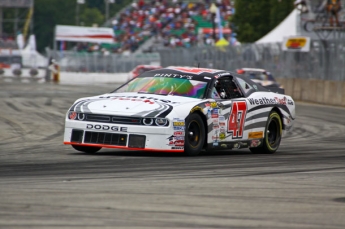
(165, 86)
(260, 76)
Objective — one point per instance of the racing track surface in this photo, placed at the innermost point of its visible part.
(45, 184)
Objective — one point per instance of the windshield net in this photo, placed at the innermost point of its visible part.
(166, 86)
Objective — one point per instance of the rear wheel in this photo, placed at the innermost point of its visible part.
(195, 135)
(86, 149)
(272, 135)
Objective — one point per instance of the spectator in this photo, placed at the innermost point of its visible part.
(333, 7)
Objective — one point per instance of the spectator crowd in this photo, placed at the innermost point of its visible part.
(171, 23)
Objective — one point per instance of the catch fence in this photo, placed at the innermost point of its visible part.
(325, 60)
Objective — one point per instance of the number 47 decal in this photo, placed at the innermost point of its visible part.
(237, 118)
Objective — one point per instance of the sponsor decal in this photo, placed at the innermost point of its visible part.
(177, 147)
(214, 105)
(222, 136)
(255, 143)
(257, 134)
(216, 127)
(178, 123)
(207, 104)
(223, 74)
(171, 75)
(179, 128)
(270, 101)
(215, 111)
(145, 99)
(179, 143)
(214, 116)
(179, 133)
(215, 121)
(105, 127)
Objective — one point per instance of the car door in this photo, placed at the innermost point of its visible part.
(228, 117)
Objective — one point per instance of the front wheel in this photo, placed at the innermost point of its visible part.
(86, 149)
(195, 135)
(272, 135)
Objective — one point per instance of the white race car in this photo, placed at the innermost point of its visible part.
(182, 110)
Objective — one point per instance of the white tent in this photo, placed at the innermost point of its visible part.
(286, 28)
(30, 56)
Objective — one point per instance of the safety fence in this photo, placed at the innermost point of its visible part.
(71, 61)
(325, 60)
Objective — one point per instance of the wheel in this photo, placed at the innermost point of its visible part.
(273, 135)
(86, 149)
(195, 135)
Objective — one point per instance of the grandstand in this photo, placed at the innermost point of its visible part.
(148, 25)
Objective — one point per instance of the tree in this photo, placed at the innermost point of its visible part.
(47, 16)
(91, 16)
(254, 19)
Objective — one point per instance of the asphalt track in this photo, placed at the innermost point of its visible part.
(45, 184)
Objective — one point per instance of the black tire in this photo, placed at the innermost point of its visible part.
(195, 135)
(272, 135)
(86, 149)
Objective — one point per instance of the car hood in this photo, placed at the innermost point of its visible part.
(131, 104)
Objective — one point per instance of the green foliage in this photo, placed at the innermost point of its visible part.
(92, 16)
(255, 18)
(49, 13)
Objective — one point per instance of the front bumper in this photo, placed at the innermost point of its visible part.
(131, 137)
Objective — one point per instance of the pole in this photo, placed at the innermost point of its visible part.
(77, 14)
(213, 27)
(106, 10)
(1, 21)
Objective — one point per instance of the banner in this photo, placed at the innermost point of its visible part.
(84, 34)
(296, 43)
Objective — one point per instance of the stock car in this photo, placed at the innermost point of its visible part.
(182, 110)
(262, 77)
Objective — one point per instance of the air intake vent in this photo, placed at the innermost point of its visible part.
(105, 138)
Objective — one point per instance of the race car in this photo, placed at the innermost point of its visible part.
(262, 77)
(181, 110)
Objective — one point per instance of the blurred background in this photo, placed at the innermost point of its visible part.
(291, 39)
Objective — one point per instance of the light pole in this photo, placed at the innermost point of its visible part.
(107, 8)
(77, 11)
(213, 10)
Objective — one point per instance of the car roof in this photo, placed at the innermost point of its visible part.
(253, 69)
(192, 71)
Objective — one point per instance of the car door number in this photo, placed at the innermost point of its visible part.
(237, 118)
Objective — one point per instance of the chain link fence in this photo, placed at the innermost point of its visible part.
(71, 61)
(325, 60)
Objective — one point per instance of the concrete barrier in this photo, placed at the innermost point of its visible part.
(315, 90)
(23, 75)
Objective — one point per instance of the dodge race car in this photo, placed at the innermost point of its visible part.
(181, 109)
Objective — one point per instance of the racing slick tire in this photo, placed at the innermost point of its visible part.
(87, 149)
(195, 135)
(272, 135)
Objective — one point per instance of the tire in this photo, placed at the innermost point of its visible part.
(87, 149)
(272, 135)
(195, 135)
